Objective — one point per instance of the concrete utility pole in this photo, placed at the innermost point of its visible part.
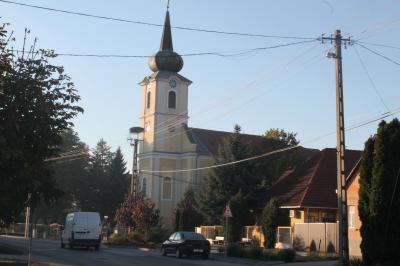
(134, 132)
(340, 148)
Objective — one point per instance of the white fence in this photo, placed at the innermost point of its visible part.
(321, 237)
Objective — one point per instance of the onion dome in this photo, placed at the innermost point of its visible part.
(166, 59)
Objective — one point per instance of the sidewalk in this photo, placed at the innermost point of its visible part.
(251, 262)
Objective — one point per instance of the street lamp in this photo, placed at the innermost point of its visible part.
(134, 140)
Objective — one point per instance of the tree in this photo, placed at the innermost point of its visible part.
(379, 196)
(240, 217)
(186, 215)
(281, 136)
(68, 175)
(269, 222)
(116, 186)
(37, 102)
(224, 182)
(107, 182)
(138, 212)
(269, 168)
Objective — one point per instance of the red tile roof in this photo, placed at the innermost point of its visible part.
(211, 140)
(313, 184)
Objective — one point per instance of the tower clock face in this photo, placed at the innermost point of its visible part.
(172, 83)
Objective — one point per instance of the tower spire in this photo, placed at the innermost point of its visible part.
(166, 39)
(166, 59)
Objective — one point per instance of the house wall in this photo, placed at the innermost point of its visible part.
(354, 231)
(313, 216)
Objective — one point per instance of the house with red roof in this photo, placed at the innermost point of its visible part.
(309, 192)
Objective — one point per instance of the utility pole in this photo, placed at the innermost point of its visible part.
(340, 147)
(134, 140)
(133, 189)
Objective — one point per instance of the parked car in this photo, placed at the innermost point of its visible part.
(186, 243)
(81, 229)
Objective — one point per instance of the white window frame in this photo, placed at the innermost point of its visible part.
(351, 216)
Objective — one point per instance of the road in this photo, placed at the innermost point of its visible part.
(50, 252)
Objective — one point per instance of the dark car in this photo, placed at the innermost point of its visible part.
(188, 243)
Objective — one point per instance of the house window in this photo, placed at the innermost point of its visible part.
(352, 216)
(144, 185)
(167, 188)
(148, 99)
(172, 99)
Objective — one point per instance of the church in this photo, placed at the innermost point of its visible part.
(171, 149)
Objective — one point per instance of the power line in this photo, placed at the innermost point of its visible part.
(378, 54)
(370, 79)
(154, 24)
(384, 115)
(380, 45)
(221, 54)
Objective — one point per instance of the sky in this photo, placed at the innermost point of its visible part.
(290, 87)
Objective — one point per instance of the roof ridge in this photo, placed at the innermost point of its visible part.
(227, 132)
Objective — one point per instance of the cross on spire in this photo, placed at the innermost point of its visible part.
(168, 2)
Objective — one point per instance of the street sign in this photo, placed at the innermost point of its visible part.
(227, 212)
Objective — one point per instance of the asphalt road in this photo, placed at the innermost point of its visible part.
(49, 251)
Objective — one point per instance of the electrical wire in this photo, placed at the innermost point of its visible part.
(220, 54)
(154, 24)
(370, 79)
(378, 54)
(242, 105)
(380, 45)
(393, 112)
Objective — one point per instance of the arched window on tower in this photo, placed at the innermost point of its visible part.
(172, 99)
(148, 99)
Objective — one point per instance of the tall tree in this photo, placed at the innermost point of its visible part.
(240, 217)
(37, 102)
(116, 185)
(187, 216)
(69, 172)
(224, 182)
(379, 196)
(269, 222)
(92, 197)
(269, 168)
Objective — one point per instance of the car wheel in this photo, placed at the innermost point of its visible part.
(71, 246)
(178, 253)
(62, 244)
(96, 247)
(163, 252)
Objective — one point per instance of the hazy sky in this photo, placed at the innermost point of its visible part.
(290, 87)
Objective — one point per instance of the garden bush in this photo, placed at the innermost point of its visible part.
(252, 252)
(234, 250)
(287, 255)
(270, 254)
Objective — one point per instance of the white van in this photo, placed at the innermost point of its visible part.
(82, 229)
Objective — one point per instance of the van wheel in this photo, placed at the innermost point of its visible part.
(96, 247)
(71, 246)
(62, 244)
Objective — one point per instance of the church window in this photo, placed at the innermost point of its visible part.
(144, 185)
(172, 99)
(148, 99)
(167, 188)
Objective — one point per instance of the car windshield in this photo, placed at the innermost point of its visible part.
(191, 236)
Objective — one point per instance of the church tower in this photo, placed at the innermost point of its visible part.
(164, 118)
